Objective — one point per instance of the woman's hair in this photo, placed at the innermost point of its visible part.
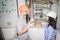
(52, 22)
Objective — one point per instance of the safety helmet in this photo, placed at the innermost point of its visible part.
(23, 8)
(52, 14)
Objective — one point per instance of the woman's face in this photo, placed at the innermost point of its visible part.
(47, 18)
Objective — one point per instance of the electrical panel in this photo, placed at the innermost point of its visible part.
(8, 13)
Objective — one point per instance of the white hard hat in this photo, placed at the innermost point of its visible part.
(52, 14)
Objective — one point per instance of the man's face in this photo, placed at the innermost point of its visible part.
(24, 13)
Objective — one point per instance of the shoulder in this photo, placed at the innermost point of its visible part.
(51, 28)
(19, 19)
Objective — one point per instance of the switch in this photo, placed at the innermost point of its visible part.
(9, 23)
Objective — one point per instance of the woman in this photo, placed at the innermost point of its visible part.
(50, 30)
(22, 27)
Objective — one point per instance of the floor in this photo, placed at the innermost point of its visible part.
(58, 37)
(12, 39)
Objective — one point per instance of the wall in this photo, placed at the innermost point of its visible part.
(58, 21)
(21, 2)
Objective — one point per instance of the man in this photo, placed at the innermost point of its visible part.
(22, 27)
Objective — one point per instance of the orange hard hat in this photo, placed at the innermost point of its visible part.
(23, 8)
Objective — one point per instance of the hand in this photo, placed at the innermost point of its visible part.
(32, 20)
(30, 25)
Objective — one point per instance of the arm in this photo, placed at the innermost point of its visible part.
(20, 28)
(25, 29)
(50, 34)
(28, 26)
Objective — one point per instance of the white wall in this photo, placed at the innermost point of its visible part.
(21, 2)
(58, 21)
